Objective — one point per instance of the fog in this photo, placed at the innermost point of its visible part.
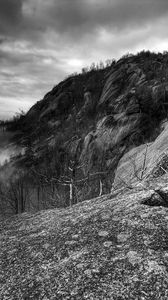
(7, 149)
(6, 154)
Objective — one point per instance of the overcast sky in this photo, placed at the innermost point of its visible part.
(42, 41)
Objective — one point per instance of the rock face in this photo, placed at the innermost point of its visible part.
(103, 114)
(143, 162)
(111, 247)
(134, 108)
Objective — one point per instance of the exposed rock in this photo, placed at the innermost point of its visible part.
(133, 257)
(99, 116)
(88, 107)
(41, 260)
(103, 233)
(132, 106)
(107, 244)
(143, 162)
(122, 237)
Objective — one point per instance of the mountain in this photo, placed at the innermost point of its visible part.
(91, 133)
(100, 135)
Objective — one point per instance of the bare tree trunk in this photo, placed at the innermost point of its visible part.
(71, 193)
(101, 188)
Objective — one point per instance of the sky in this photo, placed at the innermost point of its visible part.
(43, 41)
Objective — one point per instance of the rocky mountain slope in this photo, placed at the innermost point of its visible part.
(100, 132)
(84, 127)
(111, 247)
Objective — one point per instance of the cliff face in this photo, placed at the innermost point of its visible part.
(134, 108)
(144, 162)
(89, 122)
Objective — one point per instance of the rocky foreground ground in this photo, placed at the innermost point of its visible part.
(111, 247)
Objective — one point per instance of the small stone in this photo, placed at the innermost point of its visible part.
(135, 279)
(12, 251)
(88, 273)
(65, 231)
(105, 217)
(95, 271)
(79, 266)
(70, 243)
(46, 246)
(74, 292)
(116, 219)
(75, 236)
(153, 266)
(122, 237)
(107, 244)
(119, 246)
(146, 242)
(103, 233)
(133, 257)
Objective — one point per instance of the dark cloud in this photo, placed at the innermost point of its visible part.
(43, 41)
(10, 10)
(75, 14)
(10, 16)
(77, 17)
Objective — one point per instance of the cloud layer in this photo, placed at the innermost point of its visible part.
(42, 41)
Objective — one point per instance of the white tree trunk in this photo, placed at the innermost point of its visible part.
(101, 188)
(70, 194)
